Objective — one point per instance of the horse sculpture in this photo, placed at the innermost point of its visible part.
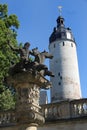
(39, 62)
(35, 66)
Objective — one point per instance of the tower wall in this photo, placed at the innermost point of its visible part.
(43, 97)
(64, 65)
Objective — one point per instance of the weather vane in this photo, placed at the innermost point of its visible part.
(60, 10)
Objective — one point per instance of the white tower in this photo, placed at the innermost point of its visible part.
(64, 65)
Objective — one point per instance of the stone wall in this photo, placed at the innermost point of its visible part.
(80, 124)
(9, 128)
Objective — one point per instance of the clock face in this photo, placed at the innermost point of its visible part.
(68, 35)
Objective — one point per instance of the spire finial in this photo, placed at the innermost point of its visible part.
(60, 10)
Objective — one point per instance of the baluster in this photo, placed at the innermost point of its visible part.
(58, 112)
(55, 112)
(45, 112)
(85, 108)
(0, 118)
(74, 109)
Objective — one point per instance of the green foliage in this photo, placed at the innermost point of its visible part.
(8, 26)
(3, 10)
(7, 100)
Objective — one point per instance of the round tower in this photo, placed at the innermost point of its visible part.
(64, 65)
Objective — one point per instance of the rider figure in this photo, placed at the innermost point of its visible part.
(24, 63)
(24, 53)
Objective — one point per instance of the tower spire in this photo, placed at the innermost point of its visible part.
(60, 10)
(60, 20)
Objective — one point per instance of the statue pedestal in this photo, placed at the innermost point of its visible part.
(28, 87)
(32, 128)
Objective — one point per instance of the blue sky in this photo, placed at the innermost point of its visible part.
(38, 18)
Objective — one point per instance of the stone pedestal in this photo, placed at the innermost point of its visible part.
(28, 87)
(32, 128)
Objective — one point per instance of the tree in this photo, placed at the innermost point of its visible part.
(8, 26)
(7, 100)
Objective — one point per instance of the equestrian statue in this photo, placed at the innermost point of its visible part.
(25, 64)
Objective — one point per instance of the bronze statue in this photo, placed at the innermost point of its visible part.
(35, 66)
(24, 51)
(39, 61)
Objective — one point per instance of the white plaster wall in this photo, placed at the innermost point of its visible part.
(64, 65)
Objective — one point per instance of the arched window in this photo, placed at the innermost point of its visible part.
(54, 45)
(63, 44)
(71, 44)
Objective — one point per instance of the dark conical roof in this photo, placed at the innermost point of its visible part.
(61, 32)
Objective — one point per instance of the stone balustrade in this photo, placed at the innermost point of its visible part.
(53, 111)
(78, 108)
(7, 118)
(56, 111)
(65, 109)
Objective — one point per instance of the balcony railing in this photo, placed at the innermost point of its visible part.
(53, 111)
(7, 118)
(78, 108)
(65, 109)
